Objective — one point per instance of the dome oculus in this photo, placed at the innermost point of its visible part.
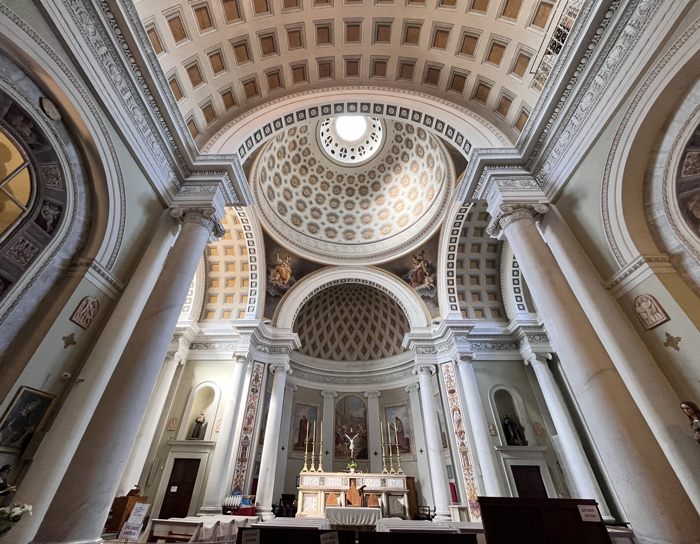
(351, 139)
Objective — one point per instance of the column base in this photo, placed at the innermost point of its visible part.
(442, 518)
(265, 513)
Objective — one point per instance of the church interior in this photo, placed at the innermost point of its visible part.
(291, 270)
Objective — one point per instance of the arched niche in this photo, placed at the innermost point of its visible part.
(504, 399)
(203, 398)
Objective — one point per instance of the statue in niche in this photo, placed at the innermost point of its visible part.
(649, 311)
(198, 424)
(693, 412)
(513, 436)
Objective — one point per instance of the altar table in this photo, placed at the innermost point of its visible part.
(396, 492)
(360, 519)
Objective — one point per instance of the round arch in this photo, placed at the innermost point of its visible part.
(622, 203)
(462, 127)
(411, 304)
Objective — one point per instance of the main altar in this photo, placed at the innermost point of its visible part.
(393, 494)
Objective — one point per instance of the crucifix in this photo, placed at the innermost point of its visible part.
(351, 439)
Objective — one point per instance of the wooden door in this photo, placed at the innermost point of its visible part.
(528, 482)
(178, 494)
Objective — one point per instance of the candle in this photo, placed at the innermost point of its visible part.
(307, 433)
(314, 437)
(381, 431)
(396, 435)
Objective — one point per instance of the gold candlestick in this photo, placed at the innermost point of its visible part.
(381, 432)
(398, 451)
(320, 450)
(391, 459)
(313, 450)
(306, 449)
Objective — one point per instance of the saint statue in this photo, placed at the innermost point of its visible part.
(693, 412)
(513, 437)
(198, 423)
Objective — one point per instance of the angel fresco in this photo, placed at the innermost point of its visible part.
(422, 275)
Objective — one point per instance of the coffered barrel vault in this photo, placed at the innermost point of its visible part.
(223, 58)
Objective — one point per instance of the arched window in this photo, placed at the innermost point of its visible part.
(16, 183)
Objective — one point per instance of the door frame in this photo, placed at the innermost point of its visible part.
(528, 456)
(184, 449)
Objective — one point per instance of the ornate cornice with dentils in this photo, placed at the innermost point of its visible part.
(626, 32)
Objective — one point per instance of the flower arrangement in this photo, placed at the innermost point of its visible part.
(352, 466)
(9, 515)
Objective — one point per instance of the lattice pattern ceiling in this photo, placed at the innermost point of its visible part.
(478, 271)
(351, 322)
(225, 57)
(227, 270)
(319, 207)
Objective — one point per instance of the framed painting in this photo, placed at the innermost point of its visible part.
(398, 419)
(350, 428)
(303, 418)
(23, 418)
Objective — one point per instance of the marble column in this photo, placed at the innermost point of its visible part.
(137, 459)
(282, 451)
(426, 491)
(373, 433)
(266, 480)
(653, 393)
(81, 504)
(58, 447)
(328, 429)
(436, 460)
(216, 489)
(641, 475)
(583, 484)
(491, 472)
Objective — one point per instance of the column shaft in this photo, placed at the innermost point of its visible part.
(216, 484)
(266, 480)
(633, 458)
(81, 504)
(374, 435)
(281, 470)
(426, 491)
(494, 483)
(139, 452)
(56, 451)
(328, 429)
(438, 472)
(654, 395)
(584, 481)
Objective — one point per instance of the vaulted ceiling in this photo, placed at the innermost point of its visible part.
(223, 58)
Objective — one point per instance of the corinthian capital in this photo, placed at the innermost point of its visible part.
(511, 212)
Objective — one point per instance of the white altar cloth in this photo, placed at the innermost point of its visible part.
(296, 523)
(352, 515)
(398, 525)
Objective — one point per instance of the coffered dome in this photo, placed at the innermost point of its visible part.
(351, 322)
(338, 213)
